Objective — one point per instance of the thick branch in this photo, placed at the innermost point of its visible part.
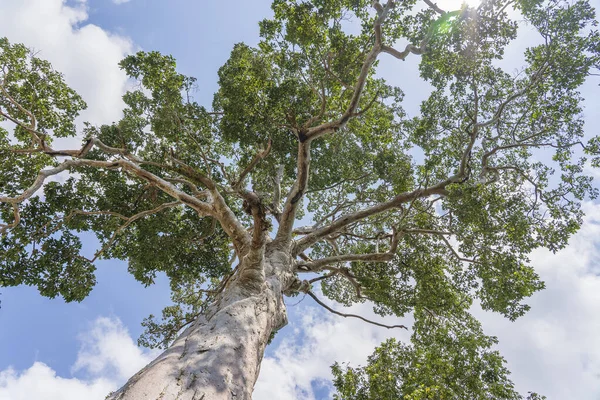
(276, 210)
(434, 7)
(401, 55)
(305, 137)
(286, 223)
(218, 209)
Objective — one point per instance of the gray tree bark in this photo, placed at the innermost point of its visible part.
(218, 357)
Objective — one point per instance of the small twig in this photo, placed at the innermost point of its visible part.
(320, 278)
(315, 298)
(298, 302)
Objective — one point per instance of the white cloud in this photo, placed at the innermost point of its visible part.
(121, 1)
(86, 54)
(554, 349)
(107, 358)
(41, 382)
(107, 350)
(305, 356)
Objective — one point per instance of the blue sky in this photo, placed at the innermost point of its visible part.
(52, 350)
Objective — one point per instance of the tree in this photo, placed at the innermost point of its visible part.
(423, 215)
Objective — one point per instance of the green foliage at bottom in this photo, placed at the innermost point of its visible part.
(448, 358)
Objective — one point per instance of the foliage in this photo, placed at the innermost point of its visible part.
(420, 214)
(449, 358)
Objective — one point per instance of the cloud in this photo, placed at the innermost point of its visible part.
(107, 350)
(303, 358)
(554, 349)
(107, 358)
(41, 382)
(86, 54)
(120, 1)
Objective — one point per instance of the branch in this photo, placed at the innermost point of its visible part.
(434, 7)
(345, 272)
(449, 245)
(348, 219)
(277, 193)
(318, 265)
(284, 233)
(31, 128)
(536, 77)
(325, 306)
(44, 174)
(323, 99)
(198, 205)
(128, 222)
(401, 55)
(219, 209)
(230, 223)
(193, 174)
(17, 219)
(328, 127)
(257, 158)
(286, 223)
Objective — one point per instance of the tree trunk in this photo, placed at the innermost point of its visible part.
(219, 355)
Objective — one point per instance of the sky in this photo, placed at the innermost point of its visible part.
(51, 350)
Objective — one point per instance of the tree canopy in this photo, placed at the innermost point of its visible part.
(421, 215)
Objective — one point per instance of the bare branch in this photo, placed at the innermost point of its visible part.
(401, 55)
(345, 315)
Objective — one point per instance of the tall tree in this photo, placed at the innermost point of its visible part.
(420, 216)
